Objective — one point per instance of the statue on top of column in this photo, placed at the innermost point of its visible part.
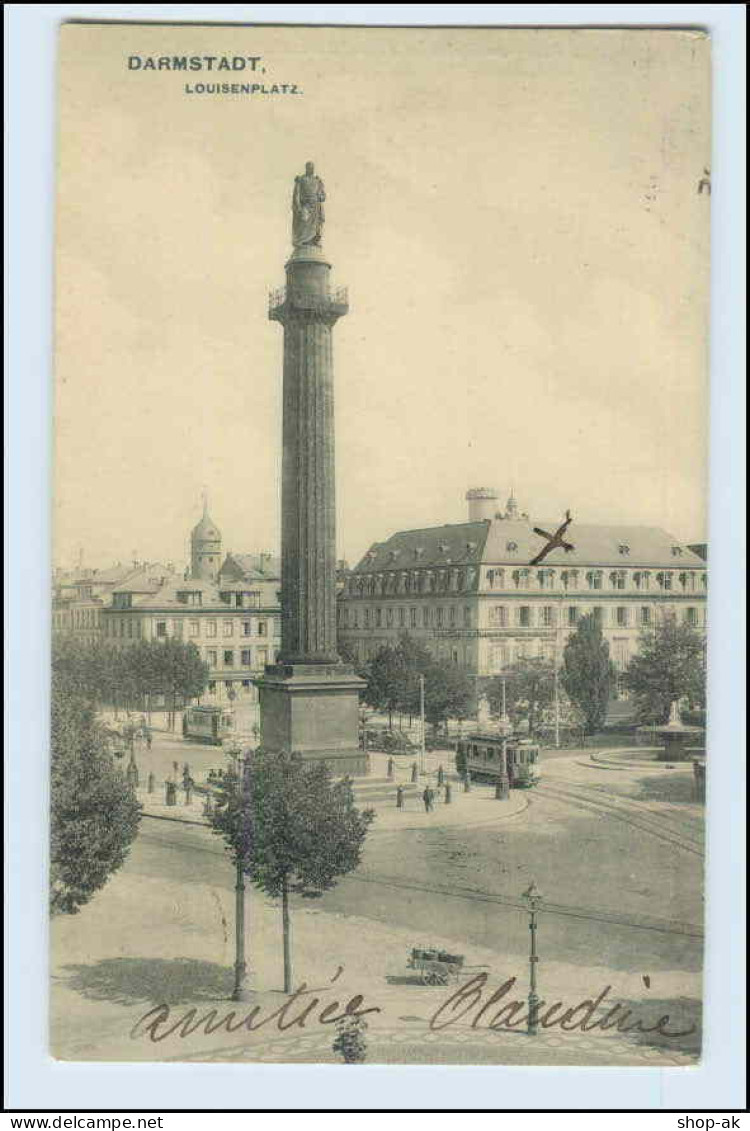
(307, 208)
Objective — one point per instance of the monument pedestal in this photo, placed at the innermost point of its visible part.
(312, 711)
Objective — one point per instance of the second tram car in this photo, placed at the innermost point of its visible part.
(482, 758)
(207, 724)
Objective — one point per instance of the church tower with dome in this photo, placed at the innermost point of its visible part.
(205, 548)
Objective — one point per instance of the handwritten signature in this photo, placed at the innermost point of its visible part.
(468, 1004)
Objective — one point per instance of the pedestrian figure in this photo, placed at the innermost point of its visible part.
(390, 767)
(131, 774)
(147, 736)
(171, 793)
(467, 782)
(447, 793)
(426, 799)
(151, 783)
(188, 784)
(400, 797)
(175, 768)
(186, 775)
(414, 769)
(441, 775)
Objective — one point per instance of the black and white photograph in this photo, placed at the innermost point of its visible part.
(379, 642)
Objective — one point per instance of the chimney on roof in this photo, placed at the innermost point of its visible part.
(482, 503)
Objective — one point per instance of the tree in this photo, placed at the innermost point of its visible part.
(292, 828)
(448, 692)
(416, 661)
(587, 672)
(669, 665)
(385, 677)
(93, 813)
(529, 690)
(169, 666)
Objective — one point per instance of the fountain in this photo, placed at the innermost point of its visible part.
(680, 741)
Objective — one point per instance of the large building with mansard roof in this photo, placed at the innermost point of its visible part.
(468, 592)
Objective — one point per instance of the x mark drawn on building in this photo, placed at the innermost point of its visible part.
(553, 540)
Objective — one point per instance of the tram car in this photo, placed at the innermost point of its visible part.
(210, 725)
(481, 756)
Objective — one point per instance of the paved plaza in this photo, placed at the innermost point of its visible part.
(589, 835)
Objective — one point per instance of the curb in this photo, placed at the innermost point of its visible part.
(176, 820)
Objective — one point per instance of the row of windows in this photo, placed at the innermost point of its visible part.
(458, 580)
(240, 599)
(211, 628)
(460, 655)
(426, 617)
(245, 657)
(75, 618)
(411, 581)
(130, 627)
(642, 580)
(623, 616)
(85, 618)
(230, 685)
(501, 616)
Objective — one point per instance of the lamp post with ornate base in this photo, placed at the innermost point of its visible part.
(534, 898)
(241, 990)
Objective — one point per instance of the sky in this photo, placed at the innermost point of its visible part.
(516, 215)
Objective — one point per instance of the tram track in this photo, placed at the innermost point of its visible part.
(622, 809)
(476, 895)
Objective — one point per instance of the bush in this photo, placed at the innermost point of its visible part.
(350, 1042)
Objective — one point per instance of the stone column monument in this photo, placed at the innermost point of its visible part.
(309, 699)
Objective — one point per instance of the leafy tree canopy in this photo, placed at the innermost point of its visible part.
(529, 689)
(290, 821)
(669, 665)
(587, 672)
(94, 814)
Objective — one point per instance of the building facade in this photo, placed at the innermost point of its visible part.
(232, 615)
(468, 593)
(79, 597)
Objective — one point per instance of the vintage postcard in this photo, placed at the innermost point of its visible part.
(380, 545)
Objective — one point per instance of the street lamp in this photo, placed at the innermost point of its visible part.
(421, 725)
(241, 992)
(502, 787)
(533, 897)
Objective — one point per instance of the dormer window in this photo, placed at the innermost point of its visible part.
(190, 597)
(511, 547)
(470, 547)
(443, 547)
(394, 554)
(419, 552)
(624, 548)
(677, 551)
(569, 578)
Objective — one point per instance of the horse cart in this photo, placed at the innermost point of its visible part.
(435, 967)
